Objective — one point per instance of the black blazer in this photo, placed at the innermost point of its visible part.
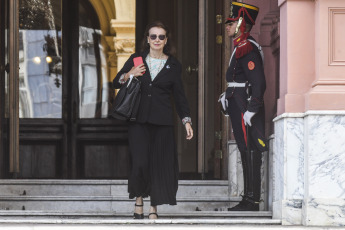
(156, 104)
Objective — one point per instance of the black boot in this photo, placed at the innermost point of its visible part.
(257, 175)
(245, 173)
(239, 206)
(251, 199)
(254, 181)
(246, 204)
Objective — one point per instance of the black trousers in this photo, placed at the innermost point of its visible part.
(258, 141)
(255, 136)
(153, 163)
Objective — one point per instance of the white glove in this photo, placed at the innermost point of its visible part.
(223, 101)
(247, 117)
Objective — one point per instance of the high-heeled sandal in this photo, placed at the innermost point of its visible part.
(137, 215)
(153, 213)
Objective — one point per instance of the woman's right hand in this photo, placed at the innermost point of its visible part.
(136, 71)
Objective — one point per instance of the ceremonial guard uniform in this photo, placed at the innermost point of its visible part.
(246, 86)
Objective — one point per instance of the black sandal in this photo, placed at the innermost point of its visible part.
(136, 215)
(153, 213)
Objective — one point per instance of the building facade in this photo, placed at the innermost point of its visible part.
(59, 57)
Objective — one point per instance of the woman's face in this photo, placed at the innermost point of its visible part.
(231, 28)
(157, 38)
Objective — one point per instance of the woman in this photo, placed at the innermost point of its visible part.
(154, 163)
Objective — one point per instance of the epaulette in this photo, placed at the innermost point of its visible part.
(243, 48)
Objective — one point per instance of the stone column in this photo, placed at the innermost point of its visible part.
(309, 152)
(124, 26)
(288, 168)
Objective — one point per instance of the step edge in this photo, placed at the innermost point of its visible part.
(49, 212)
(223, 221)
(113, 198)
(103, 182)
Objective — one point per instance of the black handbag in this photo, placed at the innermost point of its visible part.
(127, 101)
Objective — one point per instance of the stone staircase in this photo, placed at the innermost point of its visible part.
(107, 200)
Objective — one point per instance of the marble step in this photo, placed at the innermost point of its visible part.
(108, 203)
(97, 219)
(128, 215)
(187, 188)
(105, 196)
(89, 223)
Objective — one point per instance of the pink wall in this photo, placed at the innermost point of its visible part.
(328, 89)
(265, 7)
(297, 44)
(312, 55)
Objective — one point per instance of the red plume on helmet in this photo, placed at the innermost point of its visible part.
(246, 11)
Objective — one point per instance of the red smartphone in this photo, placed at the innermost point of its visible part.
(138, 61)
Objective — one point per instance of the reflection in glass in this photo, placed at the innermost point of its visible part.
(7, 96)
(93, 80)
(40, 80)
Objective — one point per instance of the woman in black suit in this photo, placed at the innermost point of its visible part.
(154, 163)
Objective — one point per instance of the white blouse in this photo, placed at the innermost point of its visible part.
(155, 65)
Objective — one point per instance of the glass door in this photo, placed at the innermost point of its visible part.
(101, 144)
(40, 79)
(40, 88)
(55, 93)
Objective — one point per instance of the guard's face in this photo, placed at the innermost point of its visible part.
(231, 28)
(157, 38)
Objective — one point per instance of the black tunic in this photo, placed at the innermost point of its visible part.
(247, 69)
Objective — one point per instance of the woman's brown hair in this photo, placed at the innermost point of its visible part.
(145, 46)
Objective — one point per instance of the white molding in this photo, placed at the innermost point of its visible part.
(310, 113)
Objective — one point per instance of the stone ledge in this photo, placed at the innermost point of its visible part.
(164, 214)
(310, 113)
(145, 221)
(111, 198)
(105, 182)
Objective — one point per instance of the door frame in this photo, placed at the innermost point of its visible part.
(201, 87)
(13, 90)
(3, 25)
(211, 146)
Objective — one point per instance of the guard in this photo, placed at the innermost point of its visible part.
(246, 86)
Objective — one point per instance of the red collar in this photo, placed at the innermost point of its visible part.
(241, 38)
(243, 45)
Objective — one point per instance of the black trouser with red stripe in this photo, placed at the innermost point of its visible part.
(251, 160)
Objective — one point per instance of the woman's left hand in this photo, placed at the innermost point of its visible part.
(189, 131)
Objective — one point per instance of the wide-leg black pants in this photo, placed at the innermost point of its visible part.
(153, 163)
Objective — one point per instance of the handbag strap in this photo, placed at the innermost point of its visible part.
(130, 80)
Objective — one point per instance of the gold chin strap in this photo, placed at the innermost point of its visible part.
(238, 26)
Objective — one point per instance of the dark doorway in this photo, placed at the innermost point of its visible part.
(182, 19)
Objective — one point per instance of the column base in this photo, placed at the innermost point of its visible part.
(308, 168)
(324, 212)
(289, 211)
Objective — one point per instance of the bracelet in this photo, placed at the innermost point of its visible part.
(122, 79)
(187, 120)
